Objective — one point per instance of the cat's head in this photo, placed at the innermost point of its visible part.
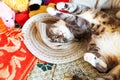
(59, 33)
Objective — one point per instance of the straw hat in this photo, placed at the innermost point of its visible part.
(38, 43)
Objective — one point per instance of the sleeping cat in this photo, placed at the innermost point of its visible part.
(93, 4)
(104, 47)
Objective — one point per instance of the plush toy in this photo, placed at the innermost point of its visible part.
(42, 9)
(22, 17)
(17, 5)
(39, 6)
(7, 15)
(35, 4)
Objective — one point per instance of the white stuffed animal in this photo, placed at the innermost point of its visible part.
(7, 15)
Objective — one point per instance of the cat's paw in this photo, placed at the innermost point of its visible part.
(60, 5)
(51, 11)
(118, 14)
(89, 56)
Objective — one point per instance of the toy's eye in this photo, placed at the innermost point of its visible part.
(12, 18)
(6, 20)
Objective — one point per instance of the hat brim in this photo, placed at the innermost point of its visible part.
(42, 48)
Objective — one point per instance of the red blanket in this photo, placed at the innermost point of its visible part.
(15, 59)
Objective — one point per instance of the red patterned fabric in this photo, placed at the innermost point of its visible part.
(15, 59)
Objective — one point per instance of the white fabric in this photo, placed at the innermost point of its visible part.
(92, 3)
(101, 3)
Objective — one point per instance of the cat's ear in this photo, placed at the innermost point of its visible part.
(118, 14)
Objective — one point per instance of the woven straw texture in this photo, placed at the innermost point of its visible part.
(40, 46)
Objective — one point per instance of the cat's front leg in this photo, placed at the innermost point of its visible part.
(64, 16)
(63, 6)
(68, 18)
(52, 11)
(72, 8)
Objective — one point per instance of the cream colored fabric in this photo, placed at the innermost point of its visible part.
(101, 4)
(92, 3)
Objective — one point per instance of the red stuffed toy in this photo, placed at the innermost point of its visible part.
(22, 17)
(54, 1)
(46, 2)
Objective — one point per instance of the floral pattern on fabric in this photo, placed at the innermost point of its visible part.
(15, 59)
